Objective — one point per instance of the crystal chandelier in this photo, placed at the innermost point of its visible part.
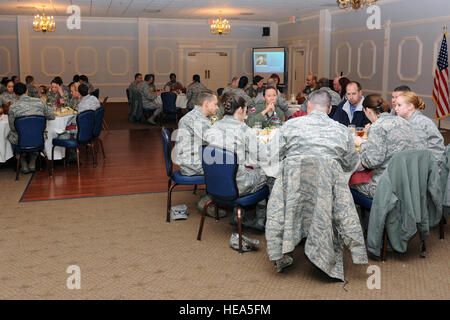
(355, 4)
(220, 26)
(43, 23)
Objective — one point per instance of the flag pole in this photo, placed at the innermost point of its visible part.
(439, 122)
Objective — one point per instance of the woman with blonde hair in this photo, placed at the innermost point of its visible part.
(408, 106)
(387, 135)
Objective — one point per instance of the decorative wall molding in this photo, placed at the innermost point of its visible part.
(154, 64)
(244, 60)
(374, 60)
(63, 64)
(127, 61)
(8, 60)
(77, 70)
(419, 58)
(68, 37)
(336, 62)
(311, 55)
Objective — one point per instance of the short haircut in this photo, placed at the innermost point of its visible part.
(4, 81)
(13, 78)
(205, 96)
(243, 81)
(20, 88)
(148, 77)
(402, 89)
(270, 82)
(323, 82)
(172, 74)
(320, 99)
(84, 78)
(275, 76)
(76, 78)
(29, 79)
(257, 79)
(231, 102)
(83, 89)
(137, 75)
(220, 91)
(234, 79)
(196, 78)
(268, 88)
(57, 80)
(357, 84)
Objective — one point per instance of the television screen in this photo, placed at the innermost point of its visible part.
(267, 61)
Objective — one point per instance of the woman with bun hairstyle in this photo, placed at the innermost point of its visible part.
(425, 131)
(233, 134)
(387, 135)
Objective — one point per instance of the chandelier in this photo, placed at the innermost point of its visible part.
(220, 26)
(355, 4)
(43, 23)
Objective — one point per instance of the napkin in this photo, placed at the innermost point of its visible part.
(361, 177)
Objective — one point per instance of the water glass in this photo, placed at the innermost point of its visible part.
(258, 125)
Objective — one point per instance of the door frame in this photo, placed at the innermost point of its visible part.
(294, 46)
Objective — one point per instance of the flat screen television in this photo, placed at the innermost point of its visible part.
(267, 61)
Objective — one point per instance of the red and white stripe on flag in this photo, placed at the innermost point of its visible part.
(440, 85)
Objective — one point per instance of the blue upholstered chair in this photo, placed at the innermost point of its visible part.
(31, 137)
(175, 178)
(169, 105)
(220, 180)
(85, 128)
(98, 125)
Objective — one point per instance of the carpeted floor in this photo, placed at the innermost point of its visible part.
(126, 250)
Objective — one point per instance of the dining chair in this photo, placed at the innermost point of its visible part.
(175, 177)
(98, 121)
(85, 126)
(30, 130)
(104, 123)
(95, 93)
(169, 106)
(220, 181)
(402, 189)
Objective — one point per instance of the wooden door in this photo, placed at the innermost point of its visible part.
(299, 70)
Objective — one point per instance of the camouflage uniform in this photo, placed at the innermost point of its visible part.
(6, 97)
(254, 115)
(248, 100)
(148, 98)
(281, 102)
(192, 92)
(252, 92)
(387, 135)
(51, 97)
(133, 86)
(189, 139)
(33, 91)
(311, 199)
(425, 129)
(233, 135)
(73, 103)
(26, 106)
(173, 85)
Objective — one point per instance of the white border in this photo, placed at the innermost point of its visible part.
(374, 60)
(95, 61)
(63, 64)
(419, 58)
(8, 58)
(127, 61)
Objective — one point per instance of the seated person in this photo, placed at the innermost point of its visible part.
(190, 134)
(267, 112)
(31, 88)
(149, 98)
(316, 135)
(75, 99)
(87, 101)
(351, 110)
(397, 91)
(173, 84)
(137, 79)
(242, 85)
(26, 106)
(3, 84)
(193, 90)
(256, 88)
(309, 86)
(281, 102)
(276, 80)
(57, 91)
(408, 107)
(84, 79)
(233, 134)
(8, 97)
(387, 135)
(234, 85)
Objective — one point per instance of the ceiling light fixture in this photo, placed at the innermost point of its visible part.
(354, 4)
(220, 26)
(43, 23)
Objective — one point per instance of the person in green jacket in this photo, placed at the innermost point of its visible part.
(267, 113)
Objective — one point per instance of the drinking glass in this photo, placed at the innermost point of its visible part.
(352, 128)
(258, 125)
(360, 131)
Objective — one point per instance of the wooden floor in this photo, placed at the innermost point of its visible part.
(134, 164)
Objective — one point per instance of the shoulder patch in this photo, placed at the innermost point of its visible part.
(252, 110)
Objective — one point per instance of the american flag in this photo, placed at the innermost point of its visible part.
(440, 86)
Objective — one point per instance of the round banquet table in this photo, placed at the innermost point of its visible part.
(55, 127)
(180, 102)
(6, 151)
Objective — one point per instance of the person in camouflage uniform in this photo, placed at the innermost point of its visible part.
(190, 135)
(26, 106)
(263, 112)
(233, 134)
(314, 152)
(137, 79)
(173, 84)
(84, 79)
(256, 88)
(149, 97)
(281, 102)
(75, 96)
(57, 91)
(243, 81)
(8, 96)
(193, 90)
(387, 135)
(31, 88)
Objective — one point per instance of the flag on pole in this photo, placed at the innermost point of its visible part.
(440, 86)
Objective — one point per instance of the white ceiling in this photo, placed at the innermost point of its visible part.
(260, 10)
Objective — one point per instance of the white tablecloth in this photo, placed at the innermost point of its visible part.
(54, 127)
(6, 151)
(180, 102)
(292, 109)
